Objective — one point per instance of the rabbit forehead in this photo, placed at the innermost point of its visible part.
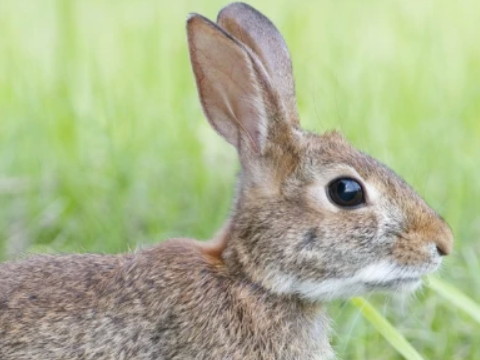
(332, 150)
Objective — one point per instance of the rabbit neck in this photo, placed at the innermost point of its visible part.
(282, 325)
(290, 321)
(226, 247)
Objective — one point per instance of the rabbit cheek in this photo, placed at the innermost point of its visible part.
(309, 240)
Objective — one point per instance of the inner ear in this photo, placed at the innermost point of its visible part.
(230, 84)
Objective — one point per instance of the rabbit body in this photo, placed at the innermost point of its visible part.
(314, 220)
(173, 301)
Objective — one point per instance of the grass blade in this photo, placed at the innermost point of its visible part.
(455, 296)
(386, 329)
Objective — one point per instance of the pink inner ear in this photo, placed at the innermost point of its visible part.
(229, 89)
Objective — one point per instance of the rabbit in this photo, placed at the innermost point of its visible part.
(313, 220)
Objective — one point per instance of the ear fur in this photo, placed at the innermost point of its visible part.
(259, 34)
(232, 85)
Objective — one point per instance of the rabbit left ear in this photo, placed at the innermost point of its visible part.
(232, 86)
(235, 90)
(257, 32)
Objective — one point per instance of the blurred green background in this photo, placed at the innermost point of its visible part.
(103, 145)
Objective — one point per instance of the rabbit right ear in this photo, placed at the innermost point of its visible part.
(233, 86)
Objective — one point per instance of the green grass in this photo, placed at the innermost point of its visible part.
(103, 146)
(386, 329)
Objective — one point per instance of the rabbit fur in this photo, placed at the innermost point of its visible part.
(257, 290)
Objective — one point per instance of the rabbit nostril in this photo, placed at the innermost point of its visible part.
(441, 251)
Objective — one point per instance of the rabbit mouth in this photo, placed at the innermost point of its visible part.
(407, 283)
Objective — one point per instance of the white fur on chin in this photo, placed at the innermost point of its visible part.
(373, 276)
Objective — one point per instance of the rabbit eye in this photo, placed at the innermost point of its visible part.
(346, 192)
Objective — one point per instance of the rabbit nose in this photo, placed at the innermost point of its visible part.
(442, 251)
(444, 241)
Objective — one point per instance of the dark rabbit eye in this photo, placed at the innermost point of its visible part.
(346, 192)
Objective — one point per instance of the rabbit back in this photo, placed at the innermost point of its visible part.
(173, 301)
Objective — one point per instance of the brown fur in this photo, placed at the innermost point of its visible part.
(255, 291)
(143, 306)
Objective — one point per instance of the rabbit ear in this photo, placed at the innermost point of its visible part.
(259, 34)
(233, 86)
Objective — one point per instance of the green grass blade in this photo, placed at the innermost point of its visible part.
(386, 329)
(455, 296)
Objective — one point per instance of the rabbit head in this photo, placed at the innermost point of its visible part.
(314, 217)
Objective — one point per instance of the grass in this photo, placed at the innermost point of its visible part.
(103, 146)
(386, 329)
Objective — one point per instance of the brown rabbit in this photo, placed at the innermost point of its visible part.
(314, 220)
